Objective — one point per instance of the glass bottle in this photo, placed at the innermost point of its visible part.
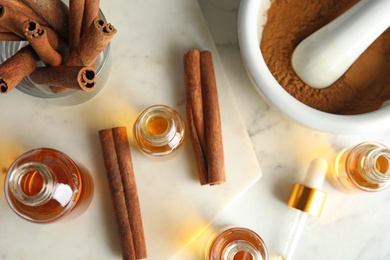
(237, 243)
(365, 167)
(159, 130)
(45, 185)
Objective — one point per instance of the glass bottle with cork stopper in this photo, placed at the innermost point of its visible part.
(364, 167)
(159, 130)
(45, 185)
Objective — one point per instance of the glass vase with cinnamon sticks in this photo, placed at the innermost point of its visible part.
(57, 51)
(44, 185)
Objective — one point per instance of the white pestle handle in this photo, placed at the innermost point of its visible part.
(326, 55)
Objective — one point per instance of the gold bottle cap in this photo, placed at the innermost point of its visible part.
(307, 199)
(308, 196)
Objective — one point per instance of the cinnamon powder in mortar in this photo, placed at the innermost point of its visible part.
(363, 88)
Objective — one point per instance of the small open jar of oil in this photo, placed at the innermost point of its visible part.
(236, 243)
(44, 185)
(159, 130)
(364, 167)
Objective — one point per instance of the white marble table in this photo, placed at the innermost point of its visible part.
(352, 226)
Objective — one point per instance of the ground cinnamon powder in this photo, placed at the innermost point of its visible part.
(363, 88)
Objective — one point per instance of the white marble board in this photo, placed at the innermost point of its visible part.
(146, 69)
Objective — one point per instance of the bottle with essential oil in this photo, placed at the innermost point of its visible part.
(365, 167)
(45, 185)
(159, 130)
(236, 243)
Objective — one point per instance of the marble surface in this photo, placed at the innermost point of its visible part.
(352, 226)
(146, 69)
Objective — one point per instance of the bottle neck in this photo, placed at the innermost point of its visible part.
(241, 249)
(375, 165)
(158, 128)
(32, 183)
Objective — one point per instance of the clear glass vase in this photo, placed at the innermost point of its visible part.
(70, 97)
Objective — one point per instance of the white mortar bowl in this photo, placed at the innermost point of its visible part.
(250, 25)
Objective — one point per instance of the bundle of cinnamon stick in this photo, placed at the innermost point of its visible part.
(123, 189)
(203, 116)
(67, 40)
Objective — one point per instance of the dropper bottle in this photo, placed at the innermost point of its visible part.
(306, 199)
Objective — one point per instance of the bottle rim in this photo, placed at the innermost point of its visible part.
(370, 165)
(52, 190)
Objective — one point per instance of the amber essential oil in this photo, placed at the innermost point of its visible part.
(159, 130)
(365, 167)
(236, 244)
(45, 185)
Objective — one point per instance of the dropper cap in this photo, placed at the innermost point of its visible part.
(308, 196)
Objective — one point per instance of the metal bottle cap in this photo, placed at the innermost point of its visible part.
(308, 196)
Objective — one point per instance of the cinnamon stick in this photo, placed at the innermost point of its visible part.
(194, 87)
(76, 13)
(55, 12)
(203, 116)
(42, 22)
(15, 68)
(38, 39)
(114, 178)
(194, 110)
(3, 29)
(10, 36)
(14, 13)
(91, 44)
(118, 164)
(212, 121)
(70, 77)
(91, 11)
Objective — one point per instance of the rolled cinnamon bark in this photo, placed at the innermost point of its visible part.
(91, 44)
(212, 121)
(38, 39)
(76, 13)
(194, 110)
(55, 12)
(15, 68)
(91, 11)
(10, 36)
(114, 177)
(193, 81)
(200, 157)
(118, 163)
(69, 77)
(3, 29)
(14, 13)
(203, 116)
